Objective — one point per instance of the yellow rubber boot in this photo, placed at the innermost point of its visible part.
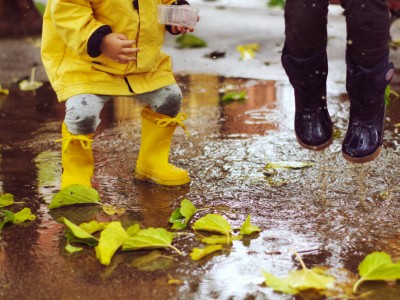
(152, 163)
(77, 158)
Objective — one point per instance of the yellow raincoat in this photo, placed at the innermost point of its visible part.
(67, 27)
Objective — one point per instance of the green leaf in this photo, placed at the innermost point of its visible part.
(388, 93)
(40, 7)
(92, 226)
(113, 210)
(4, 91)
(198, 253)
(213, 223)
(234, 96)
(190, 41)
(181, 216)
(187, 209)
(377, 266)
(77, 232)
(75, 194)
(31, 84)
(220, 239)
(294, 165)
(155, 260)
(299, 280)
(6, 200)
(247, 51)
(276, 3)
(133, 229)
(150, 238)
(111, 239)
(278, 284)
(23, 215)
(309, 279)
(72, 249)
(248, 228)
(6, 216)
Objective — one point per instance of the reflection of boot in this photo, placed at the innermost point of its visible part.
(312, 123)
(152, 163)
(366, 90)
(77, 158)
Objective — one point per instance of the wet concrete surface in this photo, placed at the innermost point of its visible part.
(333, 214)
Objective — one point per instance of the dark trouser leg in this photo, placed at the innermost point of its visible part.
(368, 74)
(305, 62)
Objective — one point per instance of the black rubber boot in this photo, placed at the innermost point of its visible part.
(366, 90)
(312, 123)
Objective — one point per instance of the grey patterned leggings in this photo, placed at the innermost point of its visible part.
(82, 113)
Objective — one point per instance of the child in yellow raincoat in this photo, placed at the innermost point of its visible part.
(94, 50)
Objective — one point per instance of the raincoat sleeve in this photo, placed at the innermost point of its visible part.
(74, 22)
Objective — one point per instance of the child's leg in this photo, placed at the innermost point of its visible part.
(368, 74)
(305, 62)
(159, 121)
(81, 120)
(166, 101)
(82, 113)
(305, 26)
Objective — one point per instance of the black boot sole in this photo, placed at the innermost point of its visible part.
(315, 147)
(361, 160)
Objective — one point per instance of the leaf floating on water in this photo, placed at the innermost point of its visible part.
(150, 238)
(248, 228)
(31, 84)
(6, 216)
(75, 194)
(213, 223)
(80, 234)
(173, 281)
(113, 210)
(190, 41)
(294, 165)
(278, 284)
(4, 91)
(198, 253)
(300, 280)
(133, 229)
(111, 239)
(181, 216)
(6, 200)
(377, 266)
(92, 226)
(247, 51)
(234, 96)
(73, 249)
(23, 215)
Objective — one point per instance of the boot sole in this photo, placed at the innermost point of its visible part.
(361, 160)
(317, 147)
(143, 177)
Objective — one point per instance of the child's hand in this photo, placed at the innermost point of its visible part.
(180, 29)
(117, 47)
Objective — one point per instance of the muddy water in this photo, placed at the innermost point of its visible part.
(333, 214)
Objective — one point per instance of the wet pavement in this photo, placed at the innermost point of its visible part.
(333, 214)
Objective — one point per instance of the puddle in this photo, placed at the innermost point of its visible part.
(333, 214)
